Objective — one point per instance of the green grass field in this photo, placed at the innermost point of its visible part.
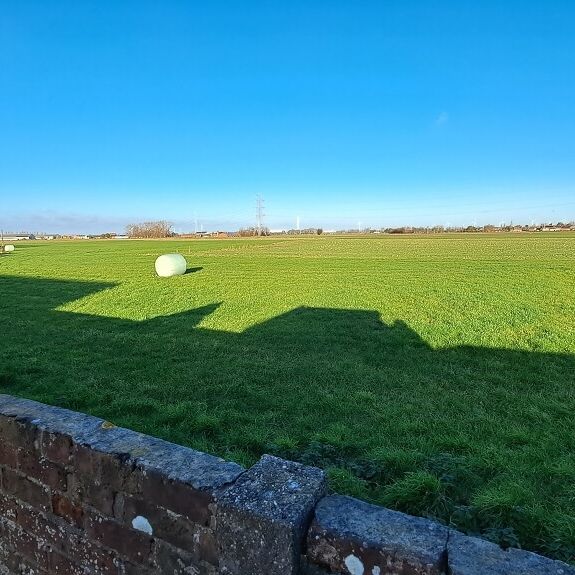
(431, 374)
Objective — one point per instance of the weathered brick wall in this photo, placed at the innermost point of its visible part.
(349, 536)
(81, 496)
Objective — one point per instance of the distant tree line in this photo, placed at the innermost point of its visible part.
(301, 232)
(253, 231)
(163, 229)
(474, 229)
(465, 229)
(158, 229)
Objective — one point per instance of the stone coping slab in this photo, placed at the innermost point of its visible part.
(177, 463)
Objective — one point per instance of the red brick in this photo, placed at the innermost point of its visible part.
(62, 565)
(26, 568)
(83, 460)
(134, 545)
(18, 434)
(178, 497)
(8, 507)
(168, 559)
(69, 542)
(96, 496)
(104, 468)
(22, 488)
(23, 543)
(113, 472)
(41, 469)
(98, 478)
(56, 447)
(8, 557)
(85, 484)
(45, 527)
(169, 526)
(15, 563)
(128, 568)
(8, 455)
(19, 513)
(69, 510)
(87, 554)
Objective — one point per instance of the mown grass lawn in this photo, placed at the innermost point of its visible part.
(431, 374)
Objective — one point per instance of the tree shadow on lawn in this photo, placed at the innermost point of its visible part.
(479, 437)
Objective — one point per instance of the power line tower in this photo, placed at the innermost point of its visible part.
(259, 214)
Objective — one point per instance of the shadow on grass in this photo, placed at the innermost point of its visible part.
(193, 270)
(482, 438)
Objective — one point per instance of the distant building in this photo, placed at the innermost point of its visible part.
(18, 237)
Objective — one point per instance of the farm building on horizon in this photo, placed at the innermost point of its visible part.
(17, 237)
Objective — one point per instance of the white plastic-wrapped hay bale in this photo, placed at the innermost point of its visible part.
(171, 265)
(8, 248)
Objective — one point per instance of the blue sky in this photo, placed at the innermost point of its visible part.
(385, 113)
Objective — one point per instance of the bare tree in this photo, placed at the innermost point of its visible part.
(158, 229)
(249, 232)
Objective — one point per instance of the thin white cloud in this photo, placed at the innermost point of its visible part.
(442, 119)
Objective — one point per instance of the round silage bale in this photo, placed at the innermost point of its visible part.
(8, 248)
(171, 265)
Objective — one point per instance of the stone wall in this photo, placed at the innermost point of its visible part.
(81, 496)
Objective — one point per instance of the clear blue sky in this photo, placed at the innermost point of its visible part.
(384, 112)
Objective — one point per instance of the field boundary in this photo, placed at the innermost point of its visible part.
(80, 495)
